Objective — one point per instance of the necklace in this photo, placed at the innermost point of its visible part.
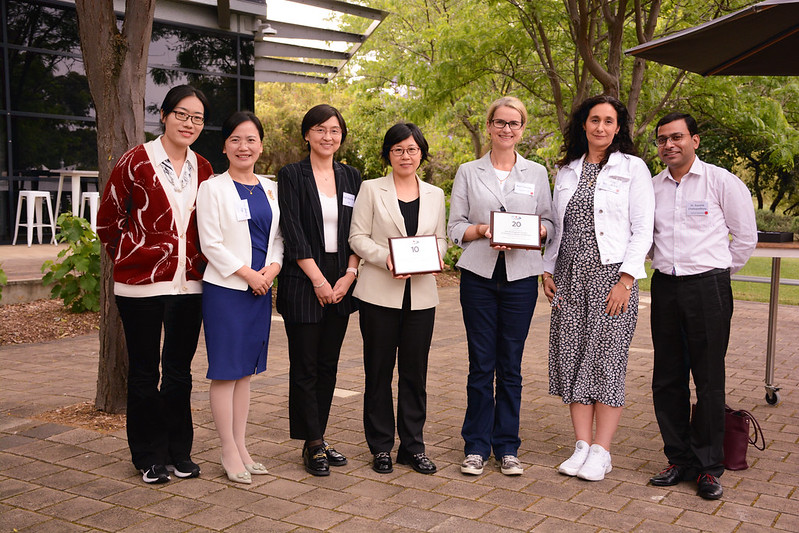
(249, 188)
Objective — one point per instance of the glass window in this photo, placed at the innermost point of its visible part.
(48, 83)
(38, 26)
(52, 143)
(190, 49)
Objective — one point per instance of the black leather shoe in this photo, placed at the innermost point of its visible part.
(315, 461)
(668, 477)
(334, 458)
(709, 487)
(382, 463)
(418, 461)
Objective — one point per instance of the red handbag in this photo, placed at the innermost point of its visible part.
(738, 437)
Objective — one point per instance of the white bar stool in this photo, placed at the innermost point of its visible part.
(35, 200)
(93, 198)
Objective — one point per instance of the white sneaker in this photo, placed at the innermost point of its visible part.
(510, 465)
(571, 465)
(472, 464)
(596, 465)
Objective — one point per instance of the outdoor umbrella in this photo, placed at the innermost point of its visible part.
(761, 40)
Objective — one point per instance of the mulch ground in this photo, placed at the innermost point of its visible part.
(43, 320)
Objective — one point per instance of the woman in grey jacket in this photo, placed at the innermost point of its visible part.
(499, 285)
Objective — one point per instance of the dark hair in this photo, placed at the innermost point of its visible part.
(690, 121)
(398, 133)
(178, 93)
(319, 114)
(239, 117)
(575, 143)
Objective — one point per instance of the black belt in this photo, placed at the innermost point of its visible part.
(711, 272)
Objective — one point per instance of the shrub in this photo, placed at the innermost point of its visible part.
(769, 221)
(3, 280)
(76, 277)
(453, 254)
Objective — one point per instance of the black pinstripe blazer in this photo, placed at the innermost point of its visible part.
(303, 235)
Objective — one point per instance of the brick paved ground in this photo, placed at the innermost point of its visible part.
(56, 478)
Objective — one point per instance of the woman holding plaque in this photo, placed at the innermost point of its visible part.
(499, 285)
(238, 220)
(315, 285)
(397, 312)
(605, 207)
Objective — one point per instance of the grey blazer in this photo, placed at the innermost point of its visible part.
(476, 192)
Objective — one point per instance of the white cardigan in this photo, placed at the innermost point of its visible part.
(225, 240)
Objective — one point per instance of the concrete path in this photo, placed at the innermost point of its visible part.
(55, 478)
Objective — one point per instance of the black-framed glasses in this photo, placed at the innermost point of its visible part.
(411, 151)
(197, 120)
(500, 124)
(674, 138)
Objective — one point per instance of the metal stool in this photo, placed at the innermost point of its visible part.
(34, 206)
(93, 198)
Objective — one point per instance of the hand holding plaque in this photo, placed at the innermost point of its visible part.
(414, 255)
(515, 230)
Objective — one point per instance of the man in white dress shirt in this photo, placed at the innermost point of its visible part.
(704, 231)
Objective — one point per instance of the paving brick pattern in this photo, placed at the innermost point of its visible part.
(55, 478)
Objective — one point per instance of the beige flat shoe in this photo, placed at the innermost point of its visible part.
(236, 477)
(256, 468)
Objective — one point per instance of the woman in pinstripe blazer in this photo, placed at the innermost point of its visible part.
(316, 196)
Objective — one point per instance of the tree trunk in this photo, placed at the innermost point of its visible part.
(115, 64)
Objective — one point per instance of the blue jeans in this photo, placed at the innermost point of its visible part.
(497, 315)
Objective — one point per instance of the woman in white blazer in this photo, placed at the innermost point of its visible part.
(238, 220)
(605, 208)
(396, 312)
(499, 286)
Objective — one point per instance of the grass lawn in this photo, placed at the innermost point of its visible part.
(757, 292)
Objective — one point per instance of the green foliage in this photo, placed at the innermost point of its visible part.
(770, 221)
(453, 254)
(76, 277)
(3, 280)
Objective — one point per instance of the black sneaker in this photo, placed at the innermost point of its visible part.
(155, 474)
(184, 469)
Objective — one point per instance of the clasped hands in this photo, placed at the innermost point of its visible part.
(327, 294)
(261, 280)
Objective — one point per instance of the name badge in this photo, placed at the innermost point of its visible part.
(697, 208)
(611, 183)
(242, 210)
(524, 188)
(348, 199)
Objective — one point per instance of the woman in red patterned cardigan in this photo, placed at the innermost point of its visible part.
(147, 224)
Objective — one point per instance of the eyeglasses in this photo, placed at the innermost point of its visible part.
(411, 151)
(500, 124)
(334, 132)
(674, 138)
(197, 120)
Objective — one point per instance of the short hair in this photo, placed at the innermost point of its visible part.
(575, 143)
(690, 121)
(398, 133)
(237, 118)
(319, 114)
(507, 101)
(178, 93)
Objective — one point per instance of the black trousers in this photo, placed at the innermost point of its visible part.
(159, 424)
(402, 336)
(314, 351)
(690, 333)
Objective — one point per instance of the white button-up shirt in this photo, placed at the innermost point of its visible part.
(695, 218)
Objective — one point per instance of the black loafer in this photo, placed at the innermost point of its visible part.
(315, 461)
(334, 458)
(382, 463)
(709, 487)
(668, 477)
(418, 461)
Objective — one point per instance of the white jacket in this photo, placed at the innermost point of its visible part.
(624, 209)
(225, 240)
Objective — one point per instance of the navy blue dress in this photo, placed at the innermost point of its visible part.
(237, 323)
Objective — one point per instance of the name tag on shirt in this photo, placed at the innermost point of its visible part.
(611, 183)
(348, 199)
(242, 210)
(524, 188)
(697, 208)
